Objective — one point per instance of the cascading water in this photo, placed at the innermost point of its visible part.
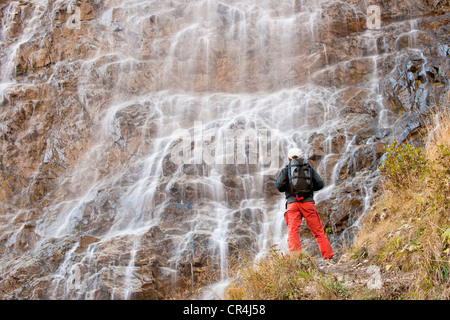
(174, 118)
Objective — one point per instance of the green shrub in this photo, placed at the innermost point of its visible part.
(402, 164)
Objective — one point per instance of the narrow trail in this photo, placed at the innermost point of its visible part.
(361, 276)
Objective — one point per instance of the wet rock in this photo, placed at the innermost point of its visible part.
(84, 242)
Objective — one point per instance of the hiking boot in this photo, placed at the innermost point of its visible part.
(329, 262)
(326, 263)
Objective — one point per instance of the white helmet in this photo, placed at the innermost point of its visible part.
(295, 153)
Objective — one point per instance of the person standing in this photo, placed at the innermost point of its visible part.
(298, 180)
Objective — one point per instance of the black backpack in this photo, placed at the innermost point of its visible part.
(300, 178)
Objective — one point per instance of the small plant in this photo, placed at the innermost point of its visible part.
(402, 163)
(333, 289)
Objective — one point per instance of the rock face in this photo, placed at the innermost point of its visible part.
(115, 116)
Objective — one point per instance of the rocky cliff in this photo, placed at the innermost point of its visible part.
(124, 170)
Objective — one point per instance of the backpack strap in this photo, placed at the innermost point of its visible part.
(305, 162)
(289, 176)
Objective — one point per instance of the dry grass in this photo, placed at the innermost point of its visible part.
(438, 133)
(280, 276)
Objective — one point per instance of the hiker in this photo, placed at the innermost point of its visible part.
(298, 180)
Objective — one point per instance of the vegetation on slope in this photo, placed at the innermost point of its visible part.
(406, 236)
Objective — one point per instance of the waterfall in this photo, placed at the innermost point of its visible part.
(171, 122)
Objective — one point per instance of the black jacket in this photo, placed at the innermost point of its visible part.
(282, 184)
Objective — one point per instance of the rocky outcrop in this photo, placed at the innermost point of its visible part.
(93, 94)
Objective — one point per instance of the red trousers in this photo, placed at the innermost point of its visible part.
(293, 217)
